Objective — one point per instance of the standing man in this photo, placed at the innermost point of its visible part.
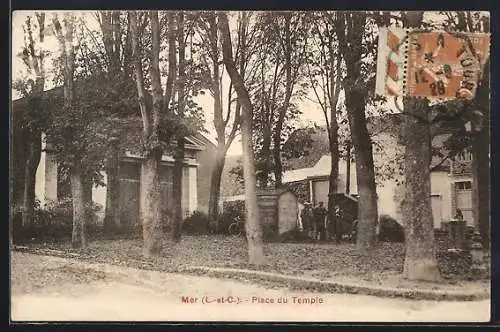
(307, 218)
(320, 214)
(335, 227)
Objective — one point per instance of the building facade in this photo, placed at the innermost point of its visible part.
(51, 186)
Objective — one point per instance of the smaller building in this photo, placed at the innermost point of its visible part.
(279, 210)
(315, 180)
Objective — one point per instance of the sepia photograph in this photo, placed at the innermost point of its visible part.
(250, 166)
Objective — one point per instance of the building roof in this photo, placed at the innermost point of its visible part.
(204, 139)
(323, 166)
(320, 169)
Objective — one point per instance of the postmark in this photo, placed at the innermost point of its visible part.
(435, 65)
(444, 65)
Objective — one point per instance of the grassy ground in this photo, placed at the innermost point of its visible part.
(383, 266)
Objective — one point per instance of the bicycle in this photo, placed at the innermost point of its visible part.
(237, 228)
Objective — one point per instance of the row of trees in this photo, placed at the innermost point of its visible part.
(257, 67)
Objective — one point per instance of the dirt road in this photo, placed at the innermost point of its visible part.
(55, 289)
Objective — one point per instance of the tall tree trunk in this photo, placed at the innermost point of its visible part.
(420, 252)
(334, 81)
(150, 204)
(112, 40)
(265, 168)
(112, 213)
(252, 223)
(480, 142)
(481, 186)
(87, 184)
(178, 192)
(220, 123)
(34, 150)
(215, 181)
(333, 178)
(77, 170)
(179, 153)
(348, 168)
(365, 175)
(34, 139)
(278, 166)
(481, 162)
(420, 260)
(78, 238)
(352, 28)
(150, 192)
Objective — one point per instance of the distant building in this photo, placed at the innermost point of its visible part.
(451, 181)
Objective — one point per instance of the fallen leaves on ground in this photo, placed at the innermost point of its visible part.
(383, 266)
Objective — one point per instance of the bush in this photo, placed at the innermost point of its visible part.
(390, 230)
(454, 264)
(196, 224)
(52, 221)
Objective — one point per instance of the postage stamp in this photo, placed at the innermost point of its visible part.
(445, 65)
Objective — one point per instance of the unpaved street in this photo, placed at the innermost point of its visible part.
(55, 289)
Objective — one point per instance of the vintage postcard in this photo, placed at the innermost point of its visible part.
(250, 166)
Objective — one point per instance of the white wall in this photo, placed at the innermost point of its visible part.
(193, 189)
(40, 179)
(321, 189)
(50, 184)
(441, 185)
(386, 200)
(353, 189)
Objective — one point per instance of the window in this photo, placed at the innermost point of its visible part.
(464, 185)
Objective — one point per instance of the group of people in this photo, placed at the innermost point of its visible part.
(315, 222)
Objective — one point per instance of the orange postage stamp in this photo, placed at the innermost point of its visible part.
(445, 65)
